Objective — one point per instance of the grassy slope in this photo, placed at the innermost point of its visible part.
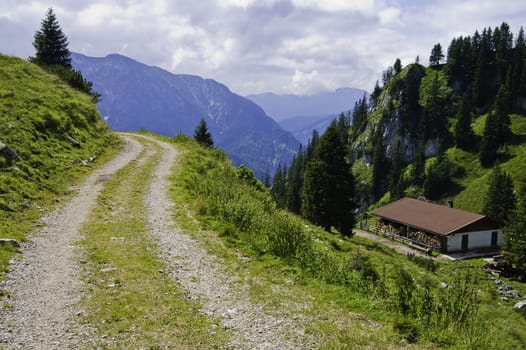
(38, 116)
(473, 184)
(476, 177)
(347, 310)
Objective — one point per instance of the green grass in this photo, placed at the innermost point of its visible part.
(132, 302)
(326, 276)
(475, 180)
(38, 116)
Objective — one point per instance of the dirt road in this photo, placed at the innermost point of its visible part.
(45, 286)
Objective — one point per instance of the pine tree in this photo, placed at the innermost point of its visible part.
(395, 175)
(489, 145)
(202, 135)
(278, 190)
(419, 165)
(295, 182)
(397, 67)
(377, 91)
(496, 129)
(328, 188)
(359, 117)
(464, 135)
(379, 164)
(51, 44)
(434, 122)
(515, 236)
(438, 179)
(499, 201)
(436, 56)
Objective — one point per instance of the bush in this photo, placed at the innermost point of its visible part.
(426, 263)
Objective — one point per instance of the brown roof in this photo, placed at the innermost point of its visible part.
(427, 216)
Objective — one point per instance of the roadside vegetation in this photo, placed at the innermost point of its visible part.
(51, 136)
(399, 300)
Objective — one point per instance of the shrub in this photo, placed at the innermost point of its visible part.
(426, 263)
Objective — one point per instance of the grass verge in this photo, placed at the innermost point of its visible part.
(350, 293)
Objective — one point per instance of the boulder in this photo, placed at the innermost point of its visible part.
(9, 241)
(8, 152)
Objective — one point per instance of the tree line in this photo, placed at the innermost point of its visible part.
(319, 184)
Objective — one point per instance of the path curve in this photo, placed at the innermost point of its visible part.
(44, 286)
(207, 281)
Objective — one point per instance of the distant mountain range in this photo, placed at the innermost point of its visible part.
(302, 127)
(302, 114)
(136, 96)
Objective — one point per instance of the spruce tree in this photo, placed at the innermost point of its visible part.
(497, 128)
(379, 164)
(51, 44)
(278, 190)
(328, 188)
(436, 56)
(295, 182)
(397, 67)
(489, 145)
(464, 135)
(202, 135)
(395, 175)
(515, 236)
(499, 201)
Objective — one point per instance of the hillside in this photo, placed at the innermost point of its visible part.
(138, 96)
(352, 290)
(410, 142)
(49, 135)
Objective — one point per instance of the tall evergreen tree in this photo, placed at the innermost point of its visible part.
(435, 99)
(500, 200)
(397, 67)
(419, 165)
(517, 87)
(503, 42)
(375, 94)
(464, 135)
(436, 56)
(379, 164)
(328, 189)
(395, 175)
(515, 236)
(202, 135)
(359, 117)
(51, 44)
(497, 128)
(295, 182)
(278, 190)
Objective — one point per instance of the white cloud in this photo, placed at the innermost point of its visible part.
(303, 83)
(337, 5)
(253, 46)
(390, 15)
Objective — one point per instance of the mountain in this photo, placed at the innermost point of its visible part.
(439, 131)
(301, 115)
(282, 107)
(302, 127)
(136, 96)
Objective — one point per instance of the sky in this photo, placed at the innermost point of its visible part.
(253, 46)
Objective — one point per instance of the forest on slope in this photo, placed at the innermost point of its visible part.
(436, 131)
